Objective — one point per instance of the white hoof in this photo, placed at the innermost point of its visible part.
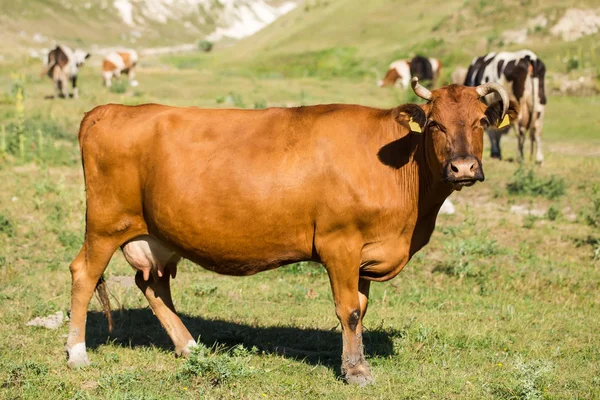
(77, 356)
(134, 83)
(187, 350)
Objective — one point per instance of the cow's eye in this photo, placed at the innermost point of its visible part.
(435, 126)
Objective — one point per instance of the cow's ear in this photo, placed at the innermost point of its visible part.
(494, 113)
(411, 116)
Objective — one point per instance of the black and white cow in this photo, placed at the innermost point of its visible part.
(400, 72)
(62, 65)
(522, 73)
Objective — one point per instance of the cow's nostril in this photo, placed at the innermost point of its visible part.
(472, 166)
(453, 168)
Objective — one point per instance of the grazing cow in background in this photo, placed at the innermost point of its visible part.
(400, 71)
(238, 192)
(62, 65)
(522, 74)
(117, 63)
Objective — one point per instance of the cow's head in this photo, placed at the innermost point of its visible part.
(453, 122)
(80, 56)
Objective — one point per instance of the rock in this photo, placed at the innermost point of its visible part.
(52, 321)
(527, 210)
(582, 86)
(447, 208)
(576, 23)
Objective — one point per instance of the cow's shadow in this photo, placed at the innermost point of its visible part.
(140, 328)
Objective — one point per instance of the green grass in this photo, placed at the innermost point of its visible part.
(490, 309)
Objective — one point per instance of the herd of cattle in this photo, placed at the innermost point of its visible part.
(244, 191)
(62, 66)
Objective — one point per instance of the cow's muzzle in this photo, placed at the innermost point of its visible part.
(463, 171)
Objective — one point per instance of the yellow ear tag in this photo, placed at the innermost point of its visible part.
(504, 122)
(414, 127)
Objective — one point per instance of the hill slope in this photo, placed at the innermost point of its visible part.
(362, 37)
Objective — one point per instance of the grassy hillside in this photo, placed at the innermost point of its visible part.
(358, 39)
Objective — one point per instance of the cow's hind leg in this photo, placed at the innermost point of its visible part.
(536, 137)
(155, 265)
(86, 271)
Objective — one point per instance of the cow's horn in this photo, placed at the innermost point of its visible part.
(419, 90)
(491, 87)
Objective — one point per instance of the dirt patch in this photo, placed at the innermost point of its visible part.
(53, 321)
(527, 210)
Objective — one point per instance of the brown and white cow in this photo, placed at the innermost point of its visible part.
(238, 192)
(62, 65)
(117, 63)
(400, 72)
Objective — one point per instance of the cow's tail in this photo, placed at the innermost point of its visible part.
(104, 299)
(47, 70)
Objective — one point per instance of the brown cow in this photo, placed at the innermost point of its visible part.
(117, 63)
(244, 191)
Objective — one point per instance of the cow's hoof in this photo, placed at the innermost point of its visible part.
(360, 375)
(77, 356)
(186, 351)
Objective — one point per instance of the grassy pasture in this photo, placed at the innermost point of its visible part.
(498, 305)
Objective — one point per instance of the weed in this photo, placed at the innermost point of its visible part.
(7, 227)
(260, 104)
(529, 221)
(118, 86)
(531, 378)
(591, 214)
(217, 365)
(205, 45)
(572, 64)
(552, 213)
(592, 241)
(525, 182)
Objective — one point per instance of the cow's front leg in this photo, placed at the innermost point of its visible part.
(350, 298)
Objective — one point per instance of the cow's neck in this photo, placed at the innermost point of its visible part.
(431, 190)
(431, 195)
